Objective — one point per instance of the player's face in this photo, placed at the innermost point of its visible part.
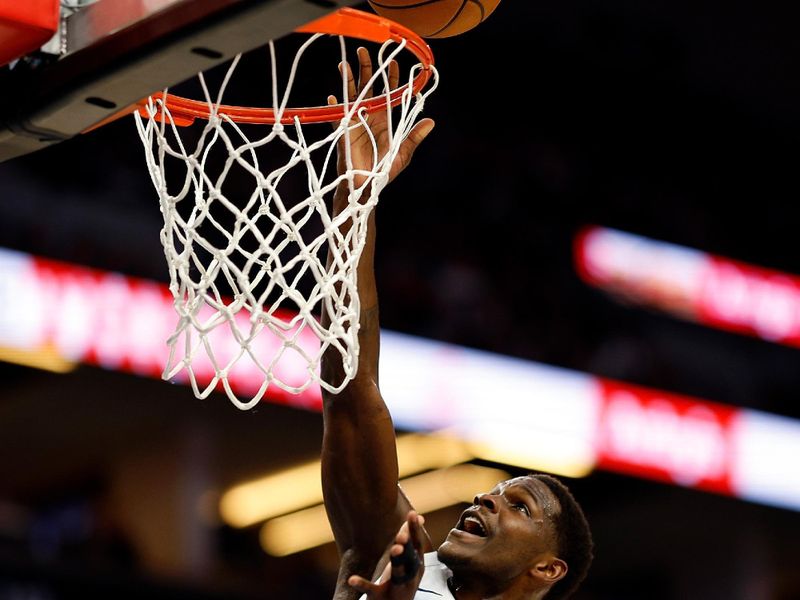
(505, 533)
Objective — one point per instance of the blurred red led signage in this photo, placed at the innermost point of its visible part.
(708, 289)
(656, 435)
(113, 321)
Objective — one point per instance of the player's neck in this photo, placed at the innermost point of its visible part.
(462, 591)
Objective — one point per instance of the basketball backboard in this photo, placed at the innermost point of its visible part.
(111, 53)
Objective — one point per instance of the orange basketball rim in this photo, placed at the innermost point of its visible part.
(347, 22)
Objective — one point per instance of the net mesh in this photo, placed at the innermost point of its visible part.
(255, 255)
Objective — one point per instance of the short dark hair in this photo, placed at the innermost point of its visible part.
(573, 538)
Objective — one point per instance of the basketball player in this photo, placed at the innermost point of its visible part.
(525, 539)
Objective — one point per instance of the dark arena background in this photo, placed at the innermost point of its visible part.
(563, 129)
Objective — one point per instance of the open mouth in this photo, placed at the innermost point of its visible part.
(472, 525)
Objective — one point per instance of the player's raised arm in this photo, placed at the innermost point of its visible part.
(359, 455)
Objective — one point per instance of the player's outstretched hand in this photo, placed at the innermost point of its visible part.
(363, 145)
(402, 575)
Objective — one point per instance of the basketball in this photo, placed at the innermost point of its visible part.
(436, 18)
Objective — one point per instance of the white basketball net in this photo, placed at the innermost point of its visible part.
(248, 265)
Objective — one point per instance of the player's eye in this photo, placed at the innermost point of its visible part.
(522, 508)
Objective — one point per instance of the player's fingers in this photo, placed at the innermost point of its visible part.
(409, 145)
(415, 531)
(331, 101)
(420, 131)
(365, 71)
(415, 138)
(362, 585)
(406, 565)
(394, 75)
(347, 74)
(402, 535)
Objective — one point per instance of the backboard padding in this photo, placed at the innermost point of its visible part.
(113, 60)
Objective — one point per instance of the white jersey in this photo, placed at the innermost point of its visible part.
(434, 581)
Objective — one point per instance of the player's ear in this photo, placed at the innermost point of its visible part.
(549, 570)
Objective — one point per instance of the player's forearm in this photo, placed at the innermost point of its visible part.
(369, 327)
(359, 466)
(359, 457)
(367, 288)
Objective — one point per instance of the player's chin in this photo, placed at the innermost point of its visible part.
(458, 547)
(464, 538)
(448, 554)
